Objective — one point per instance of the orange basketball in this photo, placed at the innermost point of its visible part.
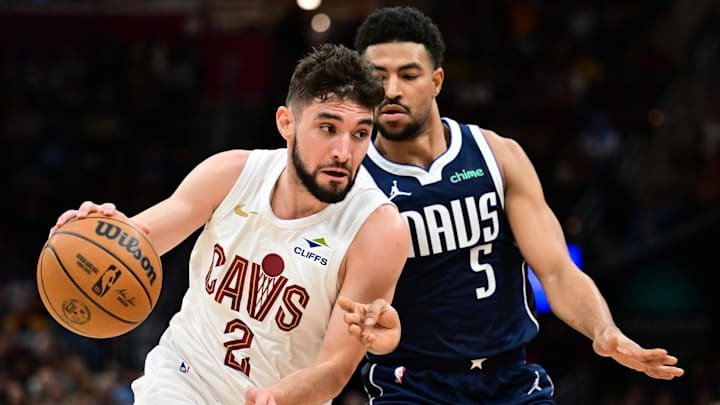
(99, 276)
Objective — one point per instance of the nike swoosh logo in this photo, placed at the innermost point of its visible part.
(240, 211)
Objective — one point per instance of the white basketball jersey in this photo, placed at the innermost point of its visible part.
(261, 288)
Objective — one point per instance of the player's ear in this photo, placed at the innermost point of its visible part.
(285, 122)
(438, 77)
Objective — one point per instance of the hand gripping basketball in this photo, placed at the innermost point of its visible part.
(88, 207)
(98, 275)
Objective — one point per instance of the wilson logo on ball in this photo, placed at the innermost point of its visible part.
(130, 243)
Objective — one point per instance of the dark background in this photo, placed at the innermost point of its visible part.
(617, 103)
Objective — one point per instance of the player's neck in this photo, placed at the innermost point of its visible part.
(289, 200)
(421, 150)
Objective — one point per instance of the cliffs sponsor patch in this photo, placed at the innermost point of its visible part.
(316, 250)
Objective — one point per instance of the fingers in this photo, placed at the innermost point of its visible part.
(659, 364)
(250, 396)
(346, 304)
(66, 217)
(655, 363)
(354, 329)
(354, 315)
(661, 367)
(367, 314)
(665, 372)
(375, 325)
(361, 317)
(671, 360)
(368, 339)
(259, 396)
(354, 312)
(63, 219)
(645, 356)
(653, 354)
(374, 310)
(107, 208)
(87, 208)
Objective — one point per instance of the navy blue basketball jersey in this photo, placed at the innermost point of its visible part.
(464, 292)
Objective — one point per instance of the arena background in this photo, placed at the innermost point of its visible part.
(616, 102)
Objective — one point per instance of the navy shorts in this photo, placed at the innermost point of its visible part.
(506, 381)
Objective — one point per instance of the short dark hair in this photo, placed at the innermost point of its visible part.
(401, 24)
(330, 70)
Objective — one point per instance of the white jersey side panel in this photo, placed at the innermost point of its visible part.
(261, 289)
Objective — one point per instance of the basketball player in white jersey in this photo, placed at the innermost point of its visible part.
(286, 232)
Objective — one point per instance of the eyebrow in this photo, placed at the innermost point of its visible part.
(413, 65)
(336, 117)
(328, 116)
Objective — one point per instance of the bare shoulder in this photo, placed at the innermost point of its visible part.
(385, 218)
(383, 234)
(229, 161)
(222, 168)
(503, 147)
(376, 256)
(512, 159)
(211, 180)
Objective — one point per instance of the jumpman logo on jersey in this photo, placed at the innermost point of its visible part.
(536, 384)
(395, 191)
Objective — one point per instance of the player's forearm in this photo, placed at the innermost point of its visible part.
(170, 222)
(576, 300)
(312, 385)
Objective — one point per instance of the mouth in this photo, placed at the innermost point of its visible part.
(392, 109)
(336, 174)
(393, 112)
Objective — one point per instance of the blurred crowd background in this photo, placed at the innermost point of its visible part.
(616, 102)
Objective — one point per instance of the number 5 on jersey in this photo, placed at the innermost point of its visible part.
(477, 266)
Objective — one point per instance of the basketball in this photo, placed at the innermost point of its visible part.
(99, 276)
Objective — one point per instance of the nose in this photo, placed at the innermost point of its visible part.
(392, 90)
(342, 148)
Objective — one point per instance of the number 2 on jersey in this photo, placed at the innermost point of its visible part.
(238, 344)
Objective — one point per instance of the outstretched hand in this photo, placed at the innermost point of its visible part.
(87, 208)
(656, 363)
(376, 325)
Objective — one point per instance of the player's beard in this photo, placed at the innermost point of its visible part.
(333, 192)
(396, 132)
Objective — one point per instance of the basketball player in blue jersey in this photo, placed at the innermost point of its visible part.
(477, 216)
(287, 234)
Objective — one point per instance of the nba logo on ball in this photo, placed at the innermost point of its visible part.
(111, 275)
(99, 276)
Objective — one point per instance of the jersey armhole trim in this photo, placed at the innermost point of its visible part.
(526, 294)
(490, 160)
